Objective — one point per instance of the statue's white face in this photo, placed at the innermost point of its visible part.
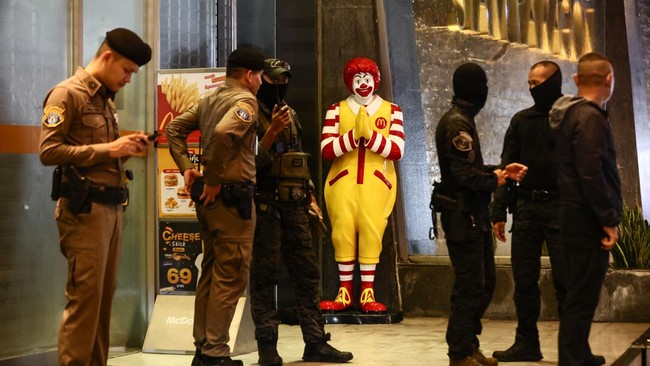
(363, 85)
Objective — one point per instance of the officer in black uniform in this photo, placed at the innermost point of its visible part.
(534, 204)
(284, 200)
(591, 201)
(465, 192)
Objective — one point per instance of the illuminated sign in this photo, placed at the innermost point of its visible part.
(561, 27)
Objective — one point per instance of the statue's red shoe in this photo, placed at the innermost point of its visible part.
(368, 303)
(343, 301)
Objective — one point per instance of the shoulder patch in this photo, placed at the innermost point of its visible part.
(52, 116)
(244, 112)
(462, 142)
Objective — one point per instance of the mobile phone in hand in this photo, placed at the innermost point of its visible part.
(153, 136)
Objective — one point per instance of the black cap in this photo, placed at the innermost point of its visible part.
(246, 58)
(274, 67)
(129, 45)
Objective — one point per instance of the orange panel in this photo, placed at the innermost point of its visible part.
(26, 139)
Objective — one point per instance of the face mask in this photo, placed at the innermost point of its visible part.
(470, 84)
(271, 94)
(480, 97)
(546, 93)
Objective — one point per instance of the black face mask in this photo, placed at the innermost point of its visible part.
(470, 84)
(271, 94)
(546, 93)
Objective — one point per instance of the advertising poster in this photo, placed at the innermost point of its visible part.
(173, 199)
(178, 90)
(180, 256)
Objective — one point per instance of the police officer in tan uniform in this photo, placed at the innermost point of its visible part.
(80, 135)
(227, 119)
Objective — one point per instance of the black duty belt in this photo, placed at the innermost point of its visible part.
(537, 195)
(100, 194)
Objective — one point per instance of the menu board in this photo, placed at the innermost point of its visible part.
(173, 199)
(180, 256)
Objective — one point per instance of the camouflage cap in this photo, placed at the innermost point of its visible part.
(274, 67)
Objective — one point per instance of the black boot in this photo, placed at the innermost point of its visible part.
(595, 360)
(196, 361)
(268, 353)
(518, 352)
(321, 351)
(220, 361)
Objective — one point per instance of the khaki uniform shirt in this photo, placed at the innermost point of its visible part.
(79, 120)
(227, 119)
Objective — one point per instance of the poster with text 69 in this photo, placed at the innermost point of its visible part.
(180, 255)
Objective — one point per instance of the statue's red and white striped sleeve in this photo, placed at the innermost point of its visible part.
(391, 148)
(332, 143)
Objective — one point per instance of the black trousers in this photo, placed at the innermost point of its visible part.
(587, 262)
(473, 263)
(285, 232)
(535, 223)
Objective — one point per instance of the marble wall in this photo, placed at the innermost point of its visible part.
(507, 64)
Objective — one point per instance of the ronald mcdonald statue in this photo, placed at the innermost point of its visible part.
(363, 134)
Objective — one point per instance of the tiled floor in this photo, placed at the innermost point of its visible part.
(414, 342)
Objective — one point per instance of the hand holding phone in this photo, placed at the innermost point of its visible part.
(153, 136)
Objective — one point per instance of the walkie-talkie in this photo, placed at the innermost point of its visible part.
(278, 101)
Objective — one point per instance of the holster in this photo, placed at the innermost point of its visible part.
(77, 195)
(56, 183)
(439, 200)
(239, 195)
(196, 190)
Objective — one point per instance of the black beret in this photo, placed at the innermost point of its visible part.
(274, 67)
(129, 45)
(246, 58)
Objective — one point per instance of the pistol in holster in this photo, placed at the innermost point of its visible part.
(239, 195)
(439, 200)
(78, 194)
(56, 183)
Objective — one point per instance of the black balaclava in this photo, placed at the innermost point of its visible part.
(546, 93)
(271, 94)
(470, 84)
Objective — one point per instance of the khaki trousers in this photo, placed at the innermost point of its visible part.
(92, 244)
(227, 248)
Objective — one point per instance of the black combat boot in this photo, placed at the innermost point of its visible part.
(196, 361)
(595, 360)
(268, 353)
(321, 351)
(518, 352)
(220, 361)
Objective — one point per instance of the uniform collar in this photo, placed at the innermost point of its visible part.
(465, 106)
(236, 83)
(371, 108)
(92, 85)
